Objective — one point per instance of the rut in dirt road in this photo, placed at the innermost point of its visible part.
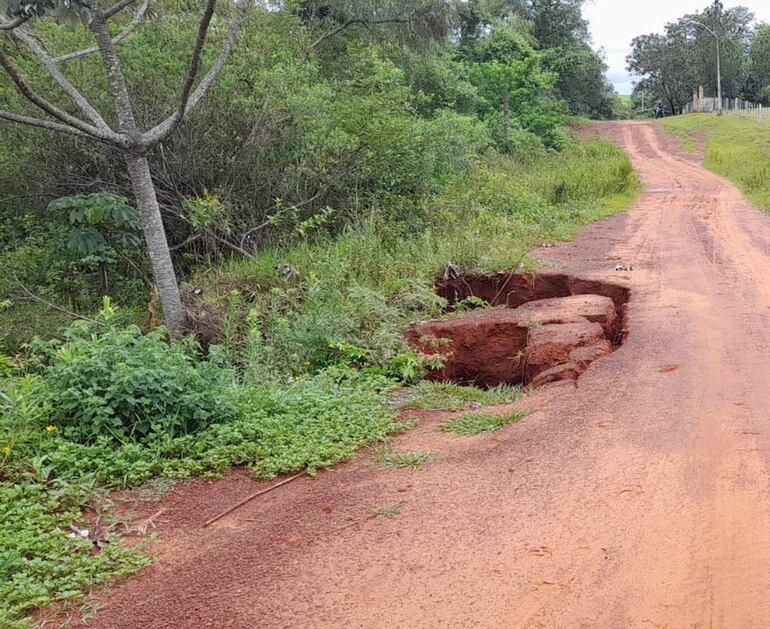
(637, 499)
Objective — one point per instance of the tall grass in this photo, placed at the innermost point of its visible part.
(736, 148)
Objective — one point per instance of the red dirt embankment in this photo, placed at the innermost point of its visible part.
(540, 341)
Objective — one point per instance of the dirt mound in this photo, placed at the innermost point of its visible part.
(594, 308)
(536, 341)
(551, 346)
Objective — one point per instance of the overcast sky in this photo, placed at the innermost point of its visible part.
(614, 23)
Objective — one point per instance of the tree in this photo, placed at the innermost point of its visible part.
(415, 21)
(663, 62)
(93, 126)
(672, 64)
(759, 57)
(508, 73)
(582, 81)
(735, 31)
(477, 16)
(558, 22)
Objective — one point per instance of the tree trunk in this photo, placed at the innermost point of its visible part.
(507, 113)
(157, 245)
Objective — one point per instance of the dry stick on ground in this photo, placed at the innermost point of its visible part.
(508, 281)
(51, 305)
(141, 528)
(251, 497)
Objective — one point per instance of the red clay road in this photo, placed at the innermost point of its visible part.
(638, 498)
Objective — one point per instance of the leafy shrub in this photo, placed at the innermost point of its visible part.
(104, 380)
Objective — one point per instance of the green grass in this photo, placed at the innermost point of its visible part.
(390, 458)
(689, 145)
(471, 424)
(736, 148)
(20, 323)
(449, 396)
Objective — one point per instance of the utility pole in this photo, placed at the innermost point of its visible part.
(719, 64)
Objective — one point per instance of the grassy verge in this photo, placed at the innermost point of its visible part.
(736, 148)
(310, 349)
(449, 396)
(471, 424)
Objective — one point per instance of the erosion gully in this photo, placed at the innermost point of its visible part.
(637, 497)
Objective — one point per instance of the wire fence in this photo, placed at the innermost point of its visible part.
(729, 106)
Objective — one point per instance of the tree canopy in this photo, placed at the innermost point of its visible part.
(670, 65)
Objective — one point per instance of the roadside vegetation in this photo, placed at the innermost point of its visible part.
(737, 148)
(339, 166)
(480, 423)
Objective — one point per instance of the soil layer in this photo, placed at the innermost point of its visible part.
(539, 342)
(638, 498)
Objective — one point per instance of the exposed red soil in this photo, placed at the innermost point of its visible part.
(638, 498)
(530, 344)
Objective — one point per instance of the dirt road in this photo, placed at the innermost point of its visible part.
(637, 499)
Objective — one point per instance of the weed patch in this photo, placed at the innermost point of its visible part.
(390, 458)
(388, 511)
(472, 424)
(450, 396)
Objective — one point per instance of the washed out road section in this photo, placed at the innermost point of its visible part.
(638, 498)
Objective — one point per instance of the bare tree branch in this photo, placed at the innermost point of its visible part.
(195, 62)
(117, 80)
(15, 23)
(50, 304)
(190, 100)
(69, 89)
(345, 25)
(117, 8)
(42, 124)
(138, 18)
(27, 92)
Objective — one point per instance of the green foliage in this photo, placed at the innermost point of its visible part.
(471, 424)
(676, 61)
(449, 396)
(505, 63)
(107, 381)
(68, 263)
(581, 80)
(39, 563)
(47, 478)
(759, 60)
(736, 148)
(101, 220)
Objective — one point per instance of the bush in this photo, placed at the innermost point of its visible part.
(108, 381)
